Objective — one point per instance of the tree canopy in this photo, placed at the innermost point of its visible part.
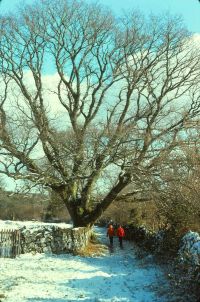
(90, 103)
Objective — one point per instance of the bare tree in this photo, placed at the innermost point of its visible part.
(126, 89)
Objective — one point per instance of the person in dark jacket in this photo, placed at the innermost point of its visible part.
(110, 233)
(120, 235)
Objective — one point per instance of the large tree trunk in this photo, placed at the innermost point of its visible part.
(84, 217)
(79, 215)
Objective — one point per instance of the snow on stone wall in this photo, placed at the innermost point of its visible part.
(190, 248)
(54, 238)
(189, 251)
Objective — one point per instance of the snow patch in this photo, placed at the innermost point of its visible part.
(16, 225)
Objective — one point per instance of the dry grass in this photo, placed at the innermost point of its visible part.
(93, 249)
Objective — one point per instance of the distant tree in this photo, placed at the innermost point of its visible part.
(126, 87)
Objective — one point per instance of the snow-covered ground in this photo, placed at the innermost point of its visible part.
(112, 277)
(15, 225)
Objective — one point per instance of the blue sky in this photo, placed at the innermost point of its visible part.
(189, 9)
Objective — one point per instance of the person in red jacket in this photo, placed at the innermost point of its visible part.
(110, 233)
(120, 234)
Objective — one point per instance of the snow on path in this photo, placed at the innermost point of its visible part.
(115, 277)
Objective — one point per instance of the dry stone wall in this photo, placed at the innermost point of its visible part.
(38, 237)
(189, 250)
(52, 239)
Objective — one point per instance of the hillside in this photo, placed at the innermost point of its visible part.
(28, 207)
